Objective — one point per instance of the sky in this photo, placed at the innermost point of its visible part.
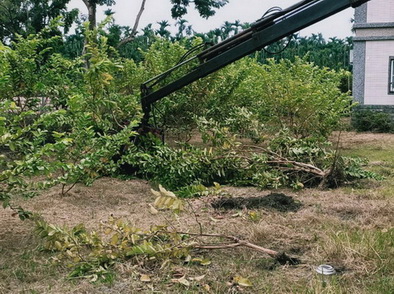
(338, 25)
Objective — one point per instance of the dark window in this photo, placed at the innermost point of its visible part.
(391, 75)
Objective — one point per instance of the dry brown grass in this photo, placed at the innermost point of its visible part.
(351, 228)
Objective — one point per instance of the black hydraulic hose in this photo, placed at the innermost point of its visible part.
(182, 61)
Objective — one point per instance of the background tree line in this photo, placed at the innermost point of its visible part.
(32, 16)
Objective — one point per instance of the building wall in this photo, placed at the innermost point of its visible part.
(377, 72)
(380, 11)
(376, 32)
(359, 71)
(373, 45)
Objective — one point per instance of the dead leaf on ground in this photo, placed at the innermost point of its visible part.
(238, 214)
(178, 273)
(145, 278)
(213, 219)
(197, 279)
(182, 281)
(153, 210)
(207, 287)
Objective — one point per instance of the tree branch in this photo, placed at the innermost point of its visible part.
(299, 166)
(135, 27)
(296, 165)
(238, 242)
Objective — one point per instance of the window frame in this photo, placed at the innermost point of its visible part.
(391, 76)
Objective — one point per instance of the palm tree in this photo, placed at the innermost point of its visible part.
(162, 31)
(227, 29)
(181, 24)
(236, 25)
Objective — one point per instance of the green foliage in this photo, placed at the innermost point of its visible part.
(204, 7)
(286, 162)
(372, 121)
(254, 100)
(200, 190)
(93, 254)
(74, 136)
(162, 56)
(167, 200)
(332, 53)
(25, 17)
(36, 75)
(84, 129)
(353, 169)
(298, 96)
(306, 150)
(319, 153)
(215, 133)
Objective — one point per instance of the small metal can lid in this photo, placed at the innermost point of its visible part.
(325, 269)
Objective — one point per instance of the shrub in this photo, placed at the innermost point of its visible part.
(299, 96)
(372, 121)
(75, 138)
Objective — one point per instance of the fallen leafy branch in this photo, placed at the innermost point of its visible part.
(282, 258)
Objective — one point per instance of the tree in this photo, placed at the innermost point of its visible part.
(91, 5)
(183, 29)
(162, 31)
(24, 17)
(236, 26)
(205, 8)
(227, 29)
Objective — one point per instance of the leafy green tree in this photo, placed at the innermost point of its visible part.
(24, 17)
(88, 114)
(236, 26)
(162, 31)
(298, 95)
(227, 29)
(183, 29)
(332, 53)
(205, 8)
(91, 5)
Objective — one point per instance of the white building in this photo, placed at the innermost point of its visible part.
(373, 63)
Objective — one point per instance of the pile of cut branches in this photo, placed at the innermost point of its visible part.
(283, 162)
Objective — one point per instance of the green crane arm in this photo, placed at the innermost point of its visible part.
(263, 32)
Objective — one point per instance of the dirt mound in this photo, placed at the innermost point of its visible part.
(277, 201)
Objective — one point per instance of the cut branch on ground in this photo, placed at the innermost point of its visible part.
(282, 258)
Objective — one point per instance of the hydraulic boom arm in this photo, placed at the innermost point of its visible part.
(262, 33)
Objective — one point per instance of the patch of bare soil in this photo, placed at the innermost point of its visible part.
(88, 205)
(12, 230)
(277, 201)
(349, 139)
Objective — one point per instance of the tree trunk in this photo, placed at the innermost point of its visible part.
(91, 6)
